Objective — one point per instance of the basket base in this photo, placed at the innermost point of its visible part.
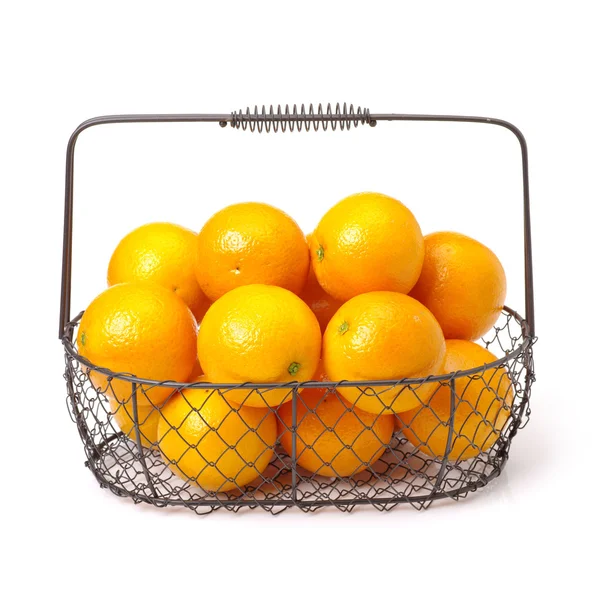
(400, 476)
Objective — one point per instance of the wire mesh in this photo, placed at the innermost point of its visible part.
(206, 448)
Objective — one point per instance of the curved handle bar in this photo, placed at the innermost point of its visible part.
(223, 120)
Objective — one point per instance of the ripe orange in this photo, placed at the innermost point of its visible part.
(141, 329)
(214, 444)
(320, 374)
(196, 371)
(250, 243)
(320, 302)
(333, 438)
(161, 253)
(383, 335)
(483, 404)
(259, 334)
(148, 417)
(365, 243)
(462, 283)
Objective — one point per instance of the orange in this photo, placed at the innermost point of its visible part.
(383, 335)
(259, 334)
(148, 417)
(162, 253)
(142, 329)
(366, 243)
(196, 371)
(462, 283)
(214, 444)
(250, 243)
(482, 409)
(320, 374)
(333, 438)
(319, 301)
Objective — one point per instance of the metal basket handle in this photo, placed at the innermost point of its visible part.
(283, 119)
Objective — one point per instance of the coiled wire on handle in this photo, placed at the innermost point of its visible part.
(296, 118)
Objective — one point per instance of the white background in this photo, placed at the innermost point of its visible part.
(532, 63)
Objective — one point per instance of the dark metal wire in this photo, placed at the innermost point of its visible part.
(125, 463)
(405, 473)
(297, 118)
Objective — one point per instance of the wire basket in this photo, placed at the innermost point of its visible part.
(223, 452)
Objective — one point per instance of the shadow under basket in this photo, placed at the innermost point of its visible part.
(319, 448)
(495, 397)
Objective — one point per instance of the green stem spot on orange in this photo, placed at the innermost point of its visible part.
(294, 368)
(343, 327)
(320, 253)
(83, 338)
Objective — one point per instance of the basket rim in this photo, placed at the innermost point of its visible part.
(70, 350)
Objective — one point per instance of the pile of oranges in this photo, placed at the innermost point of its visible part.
(252, 299)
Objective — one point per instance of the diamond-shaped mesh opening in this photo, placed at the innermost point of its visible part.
(328, 444)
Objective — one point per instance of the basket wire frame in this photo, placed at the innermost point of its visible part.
(483, 407)
(125, 462)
